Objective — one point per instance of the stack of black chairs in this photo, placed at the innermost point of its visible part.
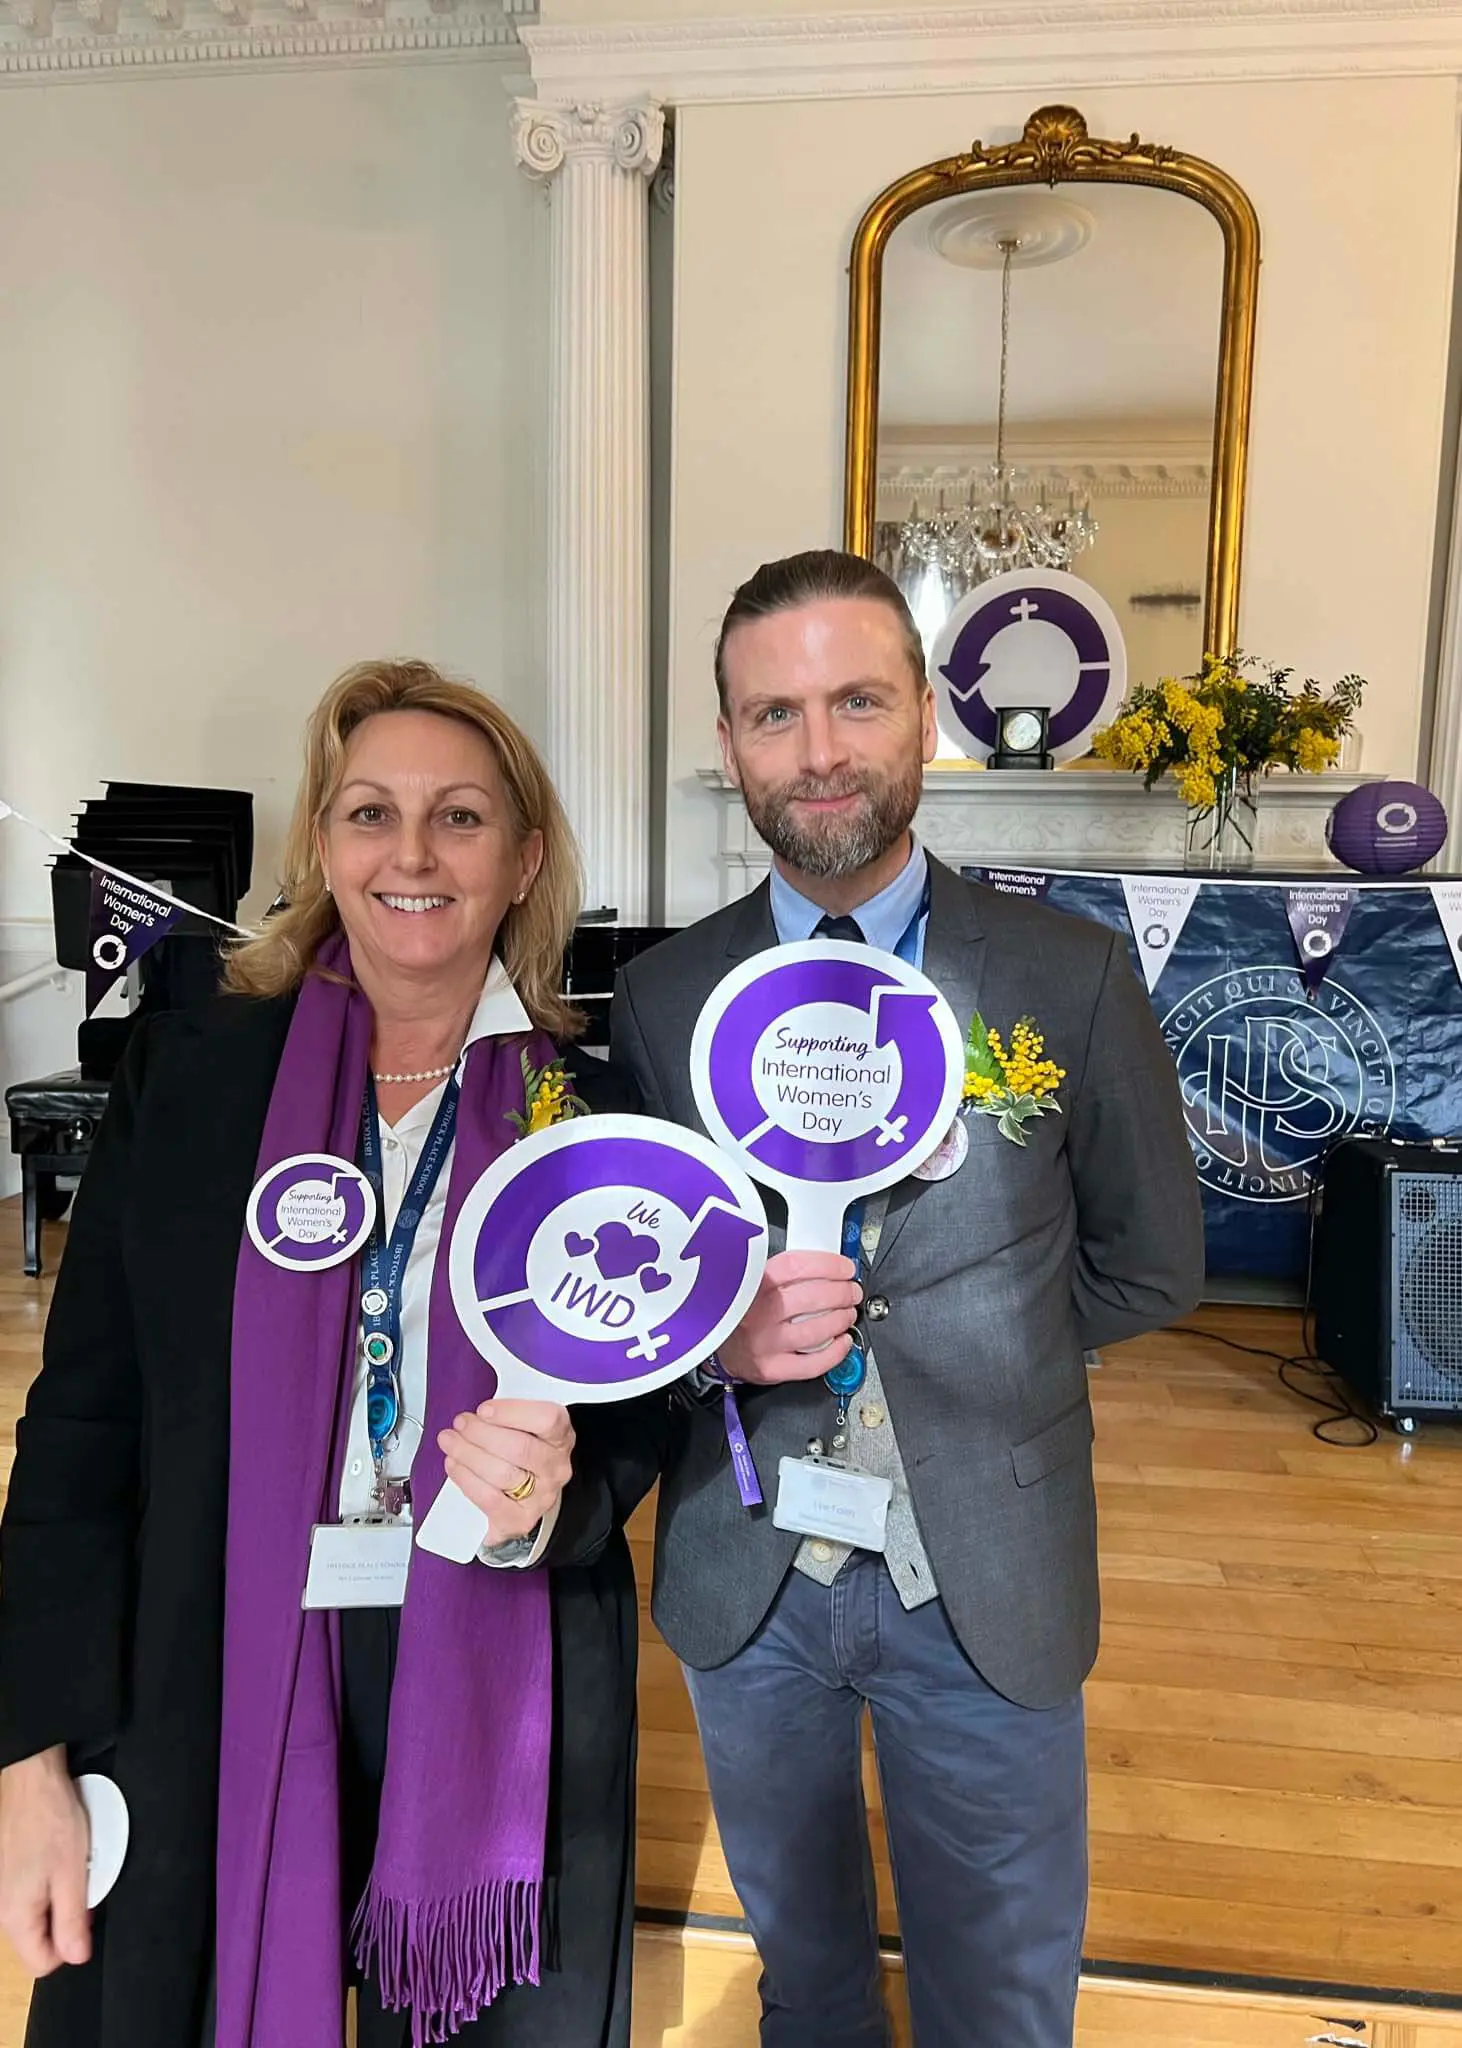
(195, 844)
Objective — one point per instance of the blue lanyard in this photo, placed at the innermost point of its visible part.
(848, 1375)
(383, 1265)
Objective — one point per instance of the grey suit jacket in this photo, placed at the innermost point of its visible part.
(995, 1280)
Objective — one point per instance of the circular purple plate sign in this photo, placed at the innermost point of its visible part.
(604, 1257)
(828, 1070)
(311, 1212)
(1031, 636)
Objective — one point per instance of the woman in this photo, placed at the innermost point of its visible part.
(208, 1422)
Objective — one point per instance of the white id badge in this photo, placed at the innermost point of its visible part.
(358, 1564)
(827, 1500)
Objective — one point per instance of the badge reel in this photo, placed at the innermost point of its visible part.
(364, 1563)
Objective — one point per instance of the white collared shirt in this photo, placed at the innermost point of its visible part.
(499, 1013)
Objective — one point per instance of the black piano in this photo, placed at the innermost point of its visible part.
(597, 951)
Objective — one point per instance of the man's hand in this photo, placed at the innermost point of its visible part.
(44, 1841)
(797, 1327)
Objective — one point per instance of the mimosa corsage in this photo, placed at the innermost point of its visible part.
(1013, 1085)
(548, 1098)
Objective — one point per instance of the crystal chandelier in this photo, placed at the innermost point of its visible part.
(1009, 520)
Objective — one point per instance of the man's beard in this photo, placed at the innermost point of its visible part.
(834, 847)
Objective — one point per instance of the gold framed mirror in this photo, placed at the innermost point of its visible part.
(1191, 353)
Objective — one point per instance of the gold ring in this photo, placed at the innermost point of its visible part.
(523, 1488)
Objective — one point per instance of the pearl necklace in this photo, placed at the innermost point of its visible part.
(426, 1074)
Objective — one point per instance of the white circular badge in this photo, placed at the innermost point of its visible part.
(111, 1827)
(311, 1212)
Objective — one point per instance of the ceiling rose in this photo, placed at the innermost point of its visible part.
(1046, 229)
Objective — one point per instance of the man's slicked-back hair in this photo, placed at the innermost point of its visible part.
(809, 578)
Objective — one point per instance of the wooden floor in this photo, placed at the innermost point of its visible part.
(1275, 1722)
(702, 1994)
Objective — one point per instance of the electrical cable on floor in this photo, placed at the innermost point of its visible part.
(1338, 1406)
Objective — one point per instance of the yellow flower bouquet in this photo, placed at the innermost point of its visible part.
(1214, 732)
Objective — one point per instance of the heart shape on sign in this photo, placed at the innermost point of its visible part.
(577, 1247)
(619, 1251)
(652, 1279)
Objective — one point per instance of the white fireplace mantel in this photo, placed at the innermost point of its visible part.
(1090, 817)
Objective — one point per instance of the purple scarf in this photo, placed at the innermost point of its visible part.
(451, 1913)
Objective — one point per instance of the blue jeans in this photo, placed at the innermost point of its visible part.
(985, 1804)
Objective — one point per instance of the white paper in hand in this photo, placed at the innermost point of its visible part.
(106, 1812)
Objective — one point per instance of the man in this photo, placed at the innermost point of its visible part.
(969, 1637)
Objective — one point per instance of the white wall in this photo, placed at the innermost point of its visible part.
(270, 402)
(270, 364)
(1355, 184)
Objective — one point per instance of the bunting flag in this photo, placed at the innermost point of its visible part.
(1011, 881)
(1318, 913)
(127, 920)
(1157, 910)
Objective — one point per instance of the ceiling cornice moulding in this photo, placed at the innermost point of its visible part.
(52, 41)
(1046, 46)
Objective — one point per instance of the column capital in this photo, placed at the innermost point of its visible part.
(627, 133)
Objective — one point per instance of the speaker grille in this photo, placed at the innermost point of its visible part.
(1426, 1279)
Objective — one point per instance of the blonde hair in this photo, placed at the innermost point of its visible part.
(533, 935)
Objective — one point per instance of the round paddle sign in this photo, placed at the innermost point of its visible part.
(829, 1071)
(605, 1256)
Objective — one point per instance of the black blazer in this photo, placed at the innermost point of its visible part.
(112, 1543)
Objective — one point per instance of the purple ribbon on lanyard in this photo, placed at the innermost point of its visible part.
(742, 1463)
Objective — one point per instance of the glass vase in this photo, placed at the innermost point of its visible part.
(1222, 835)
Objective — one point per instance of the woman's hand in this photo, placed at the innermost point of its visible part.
(493, 1451)
(44, 1842)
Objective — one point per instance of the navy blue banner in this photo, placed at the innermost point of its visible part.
(1293, 1020)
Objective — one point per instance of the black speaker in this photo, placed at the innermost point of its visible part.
(1387, 1280)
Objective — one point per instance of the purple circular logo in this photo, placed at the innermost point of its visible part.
(604, 1257)
(311, 1212)
(1031, 636)
(826, 1067)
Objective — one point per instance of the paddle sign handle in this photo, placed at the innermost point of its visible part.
(455, 1527)
(815, 1217)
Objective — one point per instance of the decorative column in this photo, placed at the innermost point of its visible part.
(598, 160)
(1442, 749)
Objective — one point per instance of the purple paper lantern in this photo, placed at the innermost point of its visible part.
(1387, 828)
